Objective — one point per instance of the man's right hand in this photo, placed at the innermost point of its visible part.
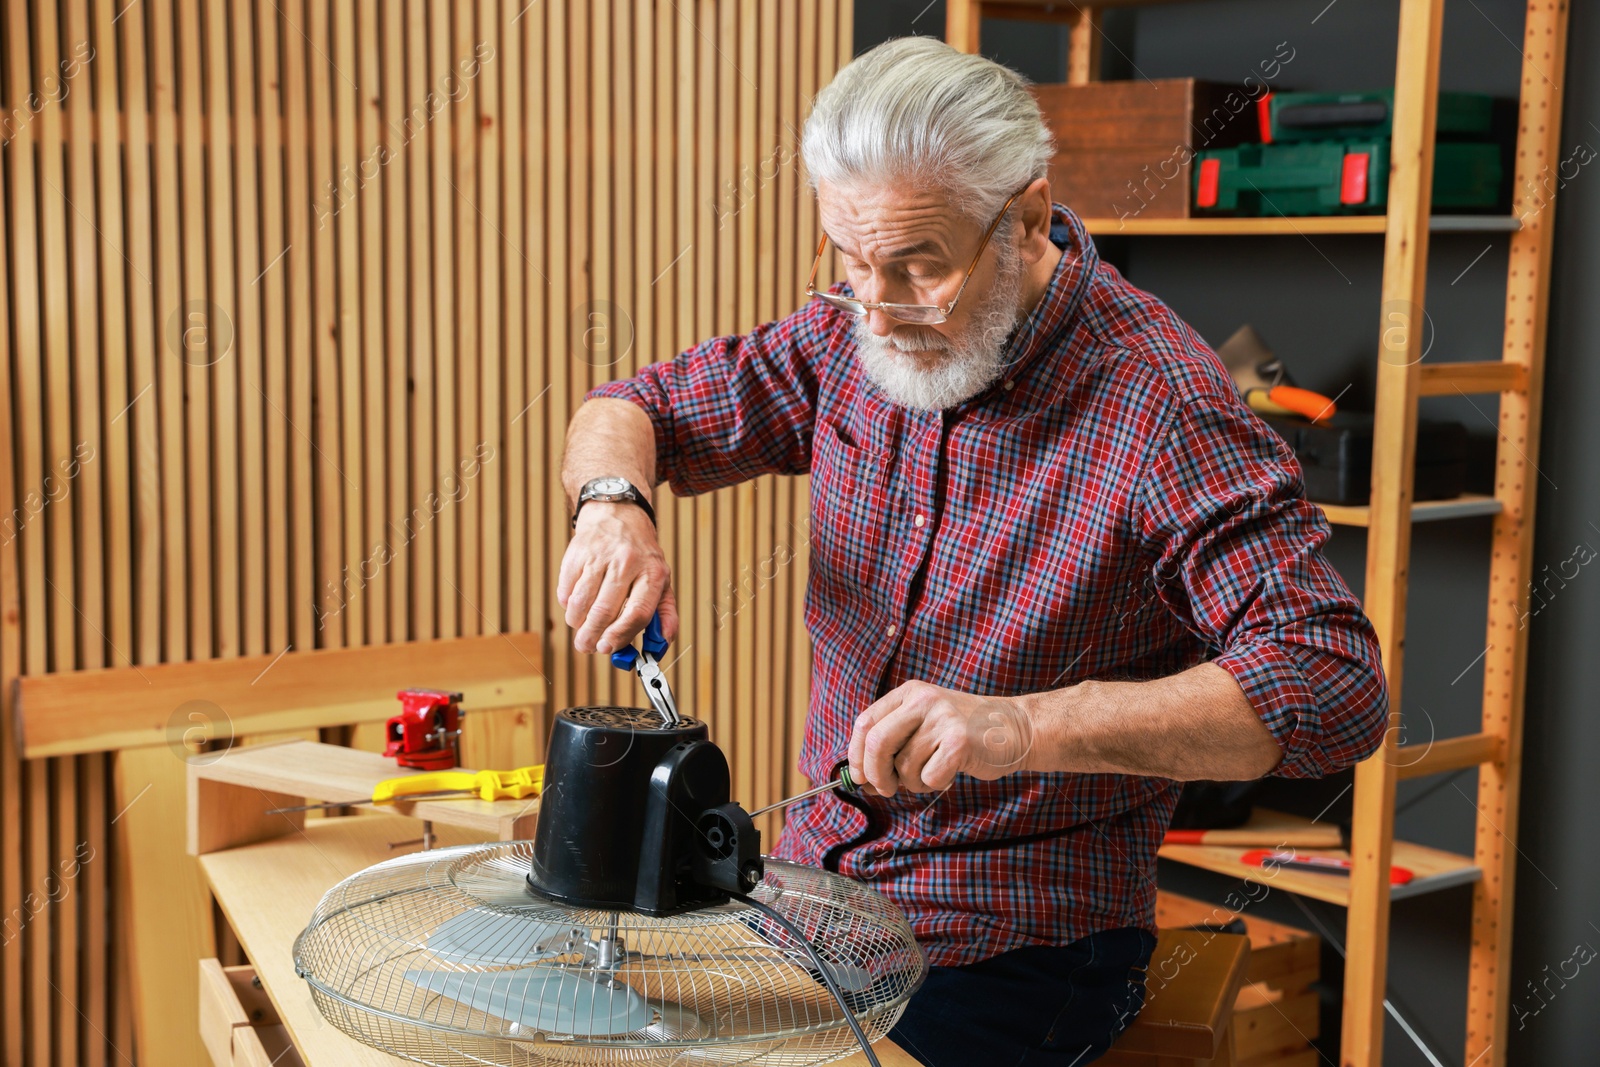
(614, 576)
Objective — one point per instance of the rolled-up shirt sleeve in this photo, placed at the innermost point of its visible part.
(1239, 561)
(735, 407)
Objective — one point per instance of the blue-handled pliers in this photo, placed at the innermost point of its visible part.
(647, 665)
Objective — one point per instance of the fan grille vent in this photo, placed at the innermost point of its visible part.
(626, 718)
(445, 958)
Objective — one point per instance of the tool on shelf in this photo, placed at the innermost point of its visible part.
(444, 785)
(1291, 860)
(426, 735)
(1264, 381)
(645, 661)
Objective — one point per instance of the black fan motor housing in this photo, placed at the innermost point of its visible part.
(635, 816)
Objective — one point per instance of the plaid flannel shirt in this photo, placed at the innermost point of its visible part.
(1111, 509)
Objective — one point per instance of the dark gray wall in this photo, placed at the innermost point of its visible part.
(1315, 300)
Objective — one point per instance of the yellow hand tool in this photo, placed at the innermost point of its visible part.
(486, 785)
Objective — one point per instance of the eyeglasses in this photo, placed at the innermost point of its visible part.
(920, 314)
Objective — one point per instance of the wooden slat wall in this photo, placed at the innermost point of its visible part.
(296, 300)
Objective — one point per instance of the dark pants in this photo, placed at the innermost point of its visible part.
(1040, 1006)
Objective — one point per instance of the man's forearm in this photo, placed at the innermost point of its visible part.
(608, 437)
(1194, 725)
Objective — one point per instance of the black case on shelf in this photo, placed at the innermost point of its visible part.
(1336, 457)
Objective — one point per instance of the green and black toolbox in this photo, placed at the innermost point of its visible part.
(1336, 457)
(1336, 178)
(1370, 116)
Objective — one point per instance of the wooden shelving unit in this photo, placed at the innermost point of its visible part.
(1403, 379)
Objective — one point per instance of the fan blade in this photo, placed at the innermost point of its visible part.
(543, 999)
(488, 938)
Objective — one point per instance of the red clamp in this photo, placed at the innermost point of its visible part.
(426, 734)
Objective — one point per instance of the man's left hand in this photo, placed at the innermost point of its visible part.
(920, 736)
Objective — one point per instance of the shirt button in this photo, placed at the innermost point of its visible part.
(892, 630)
(1008, 385)
(919, 520)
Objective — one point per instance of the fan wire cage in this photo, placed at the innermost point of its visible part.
(446, 957)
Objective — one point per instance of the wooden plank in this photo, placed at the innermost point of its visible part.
(489, 446)
(706, 189)
(375, 569)
(273, 507)
(142, 401)
(444, 337)
(1485, 376)
(465, 583)
(1083, 47)
(544, 491)
(89, 711)
(55, 784)
(513, 466)
(742, 743)
(1389, 532)
(350, 597)
(961, 19)
(221, 521)
(169, 913)
(309, 56)
(12, 907)
(396, 109)
(115, 624)
(193, 348)
(302, 338)
(1454, 753)
(1511, 565)
(80, 588)
(425, 102)
(249, 395)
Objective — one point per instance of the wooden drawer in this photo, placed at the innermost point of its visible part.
(238, 1024)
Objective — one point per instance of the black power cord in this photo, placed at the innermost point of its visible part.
(822, 969)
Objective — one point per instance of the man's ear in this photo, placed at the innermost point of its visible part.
(1035, 208)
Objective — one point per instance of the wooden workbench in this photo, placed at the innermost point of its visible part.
(268, 891)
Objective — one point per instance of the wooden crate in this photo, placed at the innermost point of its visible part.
(1276, 1014)
(1124, 149)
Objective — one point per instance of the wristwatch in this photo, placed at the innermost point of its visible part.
(612, 490)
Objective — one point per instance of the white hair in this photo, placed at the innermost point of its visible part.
(916, 110)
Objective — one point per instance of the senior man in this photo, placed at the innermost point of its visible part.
(1057, 567)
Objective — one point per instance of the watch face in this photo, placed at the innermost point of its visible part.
(602, 488)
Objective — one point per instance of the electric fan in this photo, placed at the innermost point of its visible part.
(640, 926)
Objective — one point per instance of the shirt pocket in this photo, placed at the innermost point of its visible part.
(850, 508)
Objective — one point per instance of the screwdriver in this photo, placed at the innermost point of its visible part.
(486, 785)
(844, 781)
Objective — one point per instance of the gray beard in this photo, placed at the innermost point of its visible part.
(964, 366)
